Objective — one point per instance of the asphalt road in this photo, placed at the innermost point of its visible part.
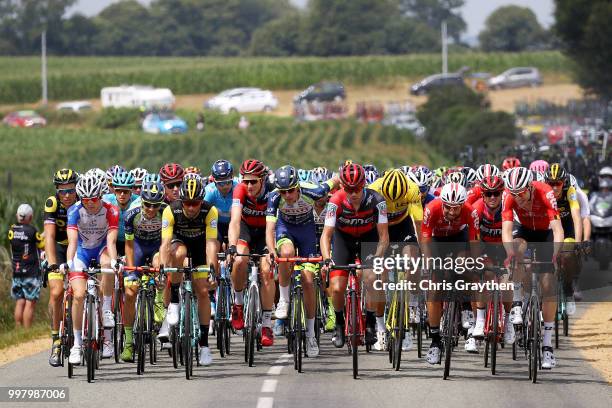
(327, 380)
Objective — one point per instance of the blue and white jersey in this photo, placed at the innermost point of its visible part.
(112, 199)
(223, 203)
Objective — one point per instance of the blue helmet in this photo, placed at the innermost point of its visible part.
(222, 169)
(152, 192)
(152, 178)
(286, 178)
(123, 179)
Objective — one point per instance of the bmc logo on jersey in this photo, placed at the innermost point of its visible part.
(355, 221)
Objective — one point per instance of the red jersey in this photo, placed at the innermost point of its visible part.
(474, 194)
(490, 222)
(435, 225)
(253, 210)
(341, 214)
(542, 211)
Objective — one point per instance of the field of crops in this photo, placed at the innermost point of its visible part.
(83, 77)
(28, 157)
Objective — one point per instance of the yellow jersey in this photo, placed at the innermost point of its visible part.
(408, 205)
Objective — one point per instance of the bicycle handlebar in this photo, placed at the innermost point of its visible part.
(350, 267)
(298, 259)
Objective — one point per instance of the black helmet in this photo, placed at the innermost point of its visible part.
(65, 176)
(192, 189)
(152, 192)
(286, 177)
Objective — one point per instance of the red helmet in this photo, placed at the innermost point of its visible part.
(352, 175)
(510, 163)
(253, 167)
(492, 183)
(171, 171)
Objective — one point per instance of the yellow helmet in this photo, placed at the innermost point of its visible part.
(394, 185)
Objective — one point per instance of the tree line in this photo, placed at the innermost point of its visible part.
(257, 28)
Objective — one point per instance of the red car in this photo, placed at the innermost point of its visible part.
(25, 119)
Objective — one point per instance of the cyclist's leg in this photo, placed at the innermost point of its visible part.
(285, 248)
(56, 296)
(178, 255)
(239, 269)
(345, 248)
(305, 237)
(79, 285)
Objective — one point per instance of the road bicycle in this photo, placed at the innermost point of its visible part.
(223, 295)
(494, 319)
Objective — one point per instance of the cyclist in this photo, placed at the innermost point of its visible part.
(569, 212)
(142, 241)
(171, 175)
(139, 175)
(489, 211)
(536, 210)
(423, 180)
(121, 197)
(290, 228)
(450, 225)
(92, 235)
(405, 215)
(484, 171)
(510, 163)
(189, 228)
(247, 234)
(110, 173)
(56, 245)
(354, 216)
(585, 214)
(220, 194)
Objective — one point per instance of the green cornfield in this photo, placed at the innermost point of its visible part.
(84, 77)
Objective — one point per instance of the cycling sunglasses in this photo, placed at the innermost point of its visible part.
(288, 190)
(172, 186)
(87, 200)
(223, 182)
(555, 183)
(191, 203)
(151, 205)
(252, 182)
(352, 190)
(66, 190)
(122, 191)
(451, 207)
(490, 194)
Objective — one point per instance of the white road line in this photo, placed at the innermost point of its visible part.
(275, 370)
(269, 386)
(265, 402)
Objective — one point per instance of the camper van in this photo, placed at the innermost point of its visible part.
(137, 96)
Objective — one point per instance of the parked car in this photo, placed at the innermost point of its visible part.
(163, 122)
(24, 119)
(322, 92)
(74, 106)
(436, 81)
(516, 77)
(406, 121)
(243, 100)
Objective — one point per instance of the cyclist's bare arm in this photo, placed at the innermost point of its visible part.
(418, 229)
(270, 240)
(73, 240)
(50, 243)
(383, 239)
(558, 235)
(577, 220)
(507, 239)
(111, 243)
(212, 248)
(164, 251)
(234, 226)
(325, 242)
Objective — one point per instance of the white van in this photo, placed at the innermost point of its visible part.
(137, 96)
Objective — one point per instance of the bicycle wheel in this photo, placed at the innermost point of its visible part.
(68, 334)
(535, 341)
(174, 346)
(139, 334)
(89, 338)
(420, 326)
(186, 339)
(400, 311)
(557, 312)
(220, 337)
(118, 329)
(354, 335)
(227, 338)
(150, 332)
(449, 328)
(495, 332)
(252, 329)
(565, 324)
(299, 351)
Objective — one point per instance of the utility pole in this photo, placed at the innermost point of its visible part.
(444, 49)
(43, 46)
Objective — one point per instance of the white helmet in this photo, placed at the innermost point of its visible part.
(421, 179)
(139, 175)
(453, 194)
(486, 170)
(24, 211)
(519, 178)
(405, 170)
(573, 181)
(605, 171)
(97, 172)
(455, 177)
(89, 186)
(539, 176)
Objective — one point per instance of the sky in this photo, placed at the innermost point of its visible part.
(474, 12)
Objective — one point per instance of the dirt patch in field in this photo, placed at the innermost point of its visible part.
(18, 351)
(592, 336)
